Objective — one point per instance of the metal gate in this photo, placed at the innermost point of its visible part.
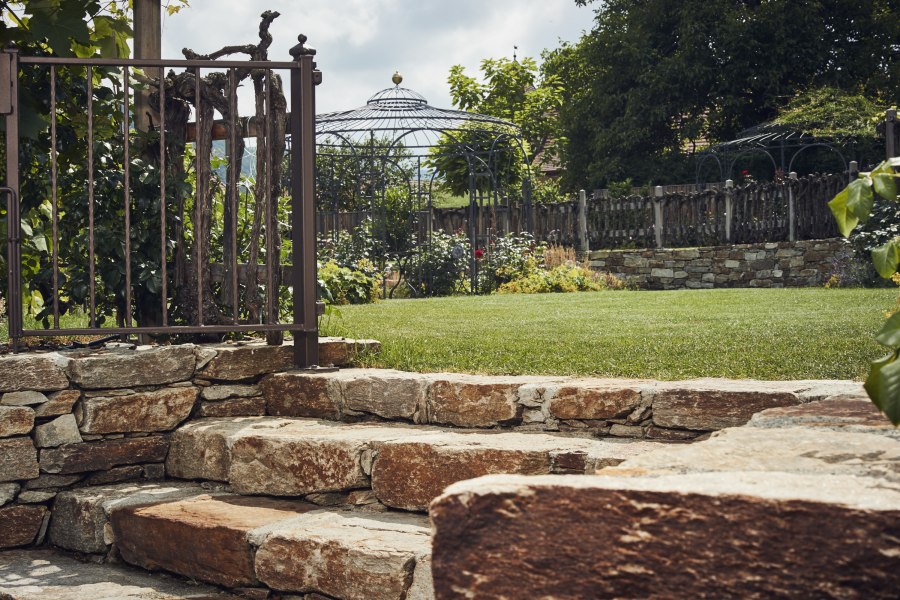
(234, 279)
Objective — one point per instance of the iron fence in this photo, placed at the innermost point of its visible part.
(145, 228)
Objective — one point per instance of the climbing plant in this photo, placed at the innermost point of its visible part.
(852, 207)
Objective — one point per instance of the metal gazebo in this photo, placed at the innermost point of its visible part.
(380, 165)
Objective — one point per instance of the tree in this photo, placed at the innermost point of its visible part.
(654, 80)
(512, 90)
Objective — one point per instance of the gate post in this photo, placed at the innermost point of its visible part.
(304, 78)
(658, 215)
(890, 133)
(583, 243)
(9, 106)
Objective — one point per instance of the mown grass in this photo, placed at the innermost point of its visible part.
(740, 333)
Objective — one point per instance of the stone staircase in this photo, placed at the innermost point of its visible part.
(317, 486)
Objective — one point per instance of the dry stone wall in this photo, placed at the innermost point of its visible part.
(771, 265)
(97, 417)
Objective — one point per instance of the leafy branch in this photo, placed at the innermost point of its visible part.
(852, 207)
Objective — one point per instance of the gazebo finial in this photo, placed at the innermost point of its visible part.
(397, 78)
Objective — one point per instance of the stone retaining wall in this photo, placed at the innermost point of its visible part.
(777, 264)
(95, 417)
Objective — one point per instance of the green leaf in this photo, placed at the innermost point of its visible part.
(883, 386)
(846, 222)
(885, 186)
(890, 332)
(886, 258)
(860, 198)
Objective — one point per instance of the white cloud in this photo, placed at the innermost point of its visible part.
(362, 42)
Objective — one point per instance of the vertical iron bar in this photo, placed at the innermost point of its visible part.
(306, 342)
(90, 149)
(13, 225)
(53, 196)
(267, 197)
(126, 127)
(199, 197)
(162, 193)
(232, 185)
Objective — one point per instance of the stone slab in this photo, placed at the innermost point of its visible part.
(350, 555)
(58, 403)
(409, 474)
(787, 450)
(839, 413)
(711, 404)
(204, 537)
(15, 420)
(709, 535)
(200, 448)
(301, 395)
(59, 431)
(41, 372)
(383, 392)
(23, 398)
(81, 517)
(233, 407)
(19, 525)
(8, 492)
(103, 455)
(221, 392)
(474, 401)
(47, 575)
(596, 398)
(18, 459)
(123, 368)
(150, 411)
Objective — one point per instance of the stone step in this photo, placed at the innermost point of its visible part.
(252, 543)
(405, 466)
(47, 575)
(804, 502)
(616, 407)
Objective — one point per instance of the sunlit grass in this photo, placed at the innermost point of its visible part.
(740, 333)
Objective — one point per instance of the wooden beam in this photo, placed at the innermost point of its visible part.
(147, 44)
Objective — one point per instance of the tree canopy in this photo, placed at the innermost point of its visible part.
(654, 81)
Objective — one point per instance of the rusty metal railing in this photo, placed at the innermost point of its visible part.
(300, 233)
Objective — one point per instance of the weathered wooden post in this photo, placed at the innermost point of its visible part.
(729, 208)
(792, 214)
(853, 170)
(147, 44)
(583, 243)
(658, 215)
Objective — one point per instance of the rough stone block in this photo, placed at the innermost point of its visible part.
(15, 420)
(81, 517)
(41, 372)
(234, 407)
(409, 474)
(103, 455)
(662, 273)
(710, 404)
(122, 368)
(349, 555)
(19, 525)
(595, 398)
(45, 481)
(159, 410)
(300, 395)
(59, 431)
(713, 535)
(8, 492)
(235, 362)
(383, 392)
(18, 459)
(203, 537)
(473, 401)
(221, 392)
(54, 576)
(199, 449)
(115, 475)
(846, 412)
(59, 403)
(341, 352)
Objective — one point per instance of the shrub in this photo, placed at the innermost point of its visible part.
(350, 286)
(439, 268)
(562, 278)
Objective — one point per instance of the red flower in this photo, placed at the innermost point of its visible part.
(745, 172)
(479, 253)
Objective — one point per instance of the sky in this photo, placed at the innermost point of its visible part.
(361, 43)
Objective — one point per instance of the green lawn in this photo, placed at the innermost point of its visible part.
(741, 333)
